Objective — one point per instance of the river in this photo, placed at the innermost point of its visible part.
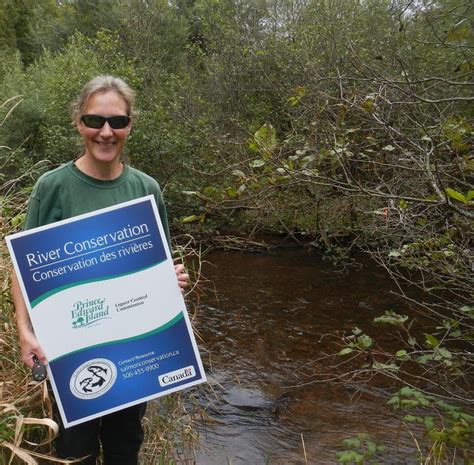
(263, 332)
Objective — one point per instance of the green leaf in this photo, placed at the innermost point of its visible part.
(368, 105)
(300, 90)
(238, 173)
(389, 148)
(385, 366)
(346, 351)
(353, 443)
(455, 195)
(391, 318)
(232, 192)
(210, 191)
(459, 32)
(253, 146)
(294, 101)
(18, 219)
(356, 331)
(445, 353)
(190, 219)
(468, 418)
(407, 391)
(264, 140)
(431, 340)
(409, 403)
(307, 160)
(424, 402)
(349, 457)
(401, 354)
(371, 448)
(429, 422)
(257, 163)
(425, 358)
(364, 341)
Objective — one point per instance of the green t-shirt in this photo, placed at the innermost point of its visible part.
(66, 192)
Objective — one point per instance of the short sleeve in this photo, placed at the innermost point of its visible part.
(32, 214)
(32, 219)
(163, 216)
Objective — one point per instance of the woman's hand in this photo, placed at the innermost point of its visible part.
(30, 347)
(182, 276)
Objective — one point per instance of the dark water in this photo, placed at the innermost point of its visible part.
(264, 332)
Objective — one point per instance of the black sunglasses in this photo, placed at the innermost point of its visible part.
(97, 121)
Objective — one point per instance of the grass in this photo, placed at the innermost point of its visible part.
(26, 427)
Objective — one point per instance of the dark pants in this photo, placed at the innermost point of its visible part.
(121, 435)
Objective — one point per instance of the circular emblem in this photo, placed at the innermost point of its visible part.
(93, 378)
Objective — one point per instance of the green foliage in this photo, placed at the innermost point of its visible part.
(361, 450)
(457, 131)
(32, 27)
(459, 196)
(459, 32)
(391, 318)
(264, 141)
(445, 425)
(42, 124)
(358, 340)
(7, 428)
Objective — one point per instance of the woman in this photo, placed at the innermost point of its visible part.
(103, 115)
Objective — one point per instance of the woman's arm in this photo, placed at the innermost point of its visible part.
(28, 343)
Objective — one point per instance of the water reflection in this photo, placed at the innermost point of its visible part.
(263, 332)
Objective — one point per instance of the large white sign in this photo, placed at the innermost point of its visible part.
(106, 307)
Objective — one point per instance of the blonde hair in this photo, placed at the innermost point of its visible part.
(101, 84)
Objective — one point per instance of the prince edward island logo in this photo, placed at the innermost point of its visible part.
(89, 311)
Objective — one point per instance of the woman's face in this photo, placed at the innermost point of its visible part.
(104, 145)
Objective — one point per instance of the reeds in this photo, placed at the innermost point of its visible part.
(26, 427)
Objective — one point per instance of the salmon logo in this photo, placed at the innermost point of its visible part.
(93, 378)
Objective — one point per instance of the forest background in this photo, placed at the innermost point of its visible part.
(342, 124)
